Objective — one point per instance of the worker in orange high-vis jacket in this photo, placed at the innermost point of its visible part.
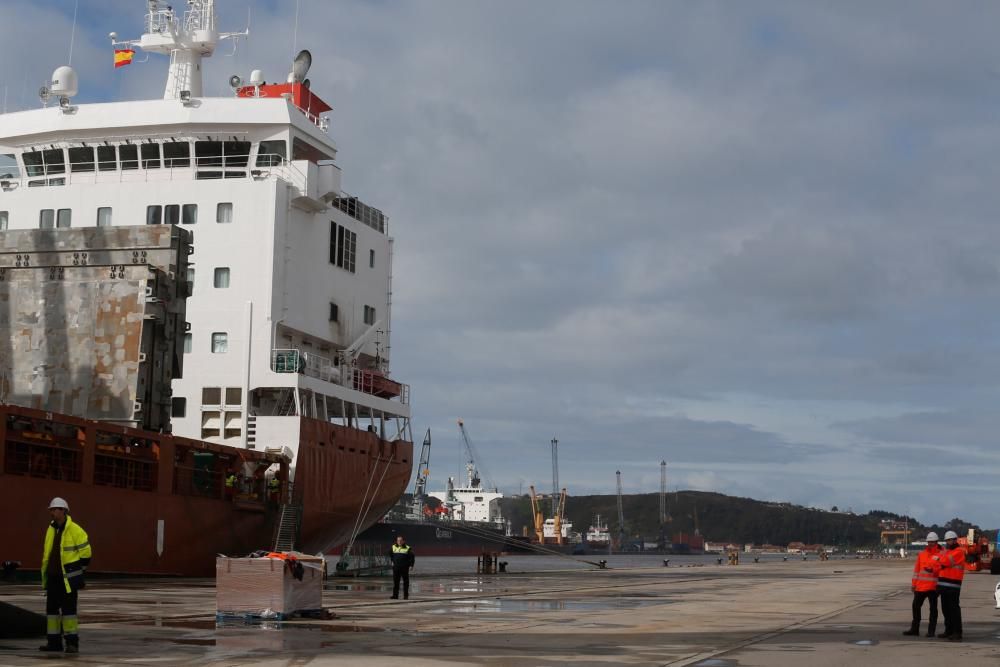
(925, 586)
(950, 577)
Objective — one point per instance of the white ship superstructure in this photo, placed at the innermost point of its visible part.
(472, 502)
(290, 301)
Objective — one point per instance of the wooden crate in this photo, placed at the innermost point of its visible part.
(256, 586)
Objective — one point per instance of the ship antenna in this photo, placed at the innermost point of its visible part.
(72, 32)
(295, 33)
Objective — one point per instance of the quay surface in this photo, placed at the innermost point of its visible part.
(839, 612)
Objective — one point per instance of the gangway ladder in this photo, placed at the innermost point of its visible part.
(288, 528)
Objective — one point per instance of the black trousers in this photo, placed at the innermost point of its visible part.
(60, 613)
(918, 602)
(952, 610)
(404, 574)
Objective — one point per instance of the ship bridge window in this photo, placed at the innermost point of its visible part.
(208, 153)
(176, 154)
(154, 215)
(55, 161)
(81, 159)
(271, 153)
(150, 156)
(106, 158)
(8, 166)
(236, 154)
(189, 214)
(33, 165)
(129, 156)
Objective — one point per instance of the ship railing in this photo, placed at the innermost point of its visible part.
(214, 167)
(293, 360)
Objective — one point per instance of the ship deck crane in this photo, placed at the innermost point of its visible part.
(423, 471)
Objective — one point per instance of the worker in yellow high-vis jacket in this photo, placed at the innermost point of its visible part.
(64, 560)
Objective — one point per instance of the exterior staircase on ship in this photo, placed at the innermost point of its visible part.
(287, 534)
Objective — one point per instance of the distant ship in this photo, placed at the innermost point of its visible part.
(467, 521)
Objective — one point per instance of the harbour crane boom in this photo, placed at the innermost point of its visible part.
(473, 465)
(621, 514)
(423, 471)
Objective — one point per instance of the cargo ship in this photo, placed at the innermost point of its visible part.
(465, 520)
(259, 350)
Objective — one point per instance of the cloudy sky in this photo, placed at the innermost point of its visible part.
(757, 240)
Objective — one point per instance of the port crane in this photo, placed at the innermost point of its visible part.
(621, 513)
(423, 471)
(557, 519)
(471, 465)
(536, 515)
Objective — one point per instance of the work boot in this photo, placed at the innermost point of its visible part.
(394, 597)
(944, 635)
(72, 648)
(912, 632)
(51, 647)
(955, 638)
(930, 633)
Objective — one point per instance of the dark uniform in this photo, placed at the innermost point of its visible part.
(402, 561)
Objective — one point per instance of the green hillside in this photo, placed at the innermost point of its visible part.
(722, 518)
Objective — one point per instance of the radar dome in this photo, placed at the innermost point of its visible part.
(64, 82)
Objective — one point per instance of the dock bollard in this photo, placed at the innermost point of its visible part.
(719, 561)
(666, 562)
(503, 566)
(784, 559)
(756, 559)
(603, 564)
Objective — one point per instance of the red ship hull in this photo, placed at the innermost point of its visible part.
(147, 513)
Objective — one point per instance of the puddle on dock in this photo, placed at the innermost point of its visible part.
(187, 624)
(504, 605)
(864, 642)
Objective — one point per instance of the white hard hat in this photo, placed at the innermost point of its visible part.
(59, 503)
(932, 537)
(950, 535)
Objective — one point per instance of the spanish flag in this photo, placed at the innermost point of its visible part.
(123, 57)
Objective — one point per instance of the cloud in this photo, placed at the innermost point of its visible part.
(608, 220)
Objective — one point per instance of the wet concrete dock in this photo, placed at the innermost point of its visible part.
(774, 614)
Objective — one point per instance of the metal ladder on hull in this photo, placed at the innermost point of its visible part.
(288, 528)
